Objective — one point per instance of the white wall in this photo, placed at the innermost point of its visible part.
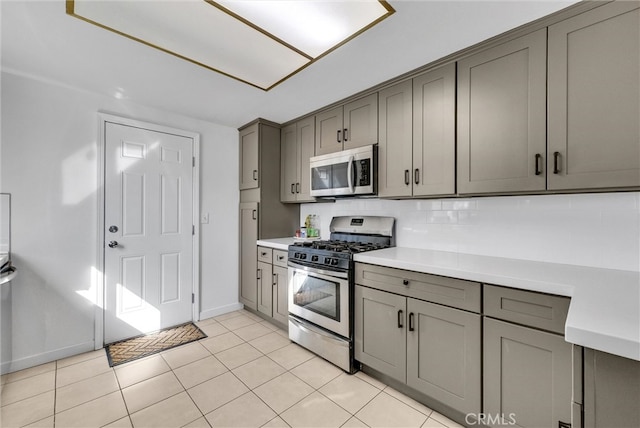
(598, 229)
(49, 165)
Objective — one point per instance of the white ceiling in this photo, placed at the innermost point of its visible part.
(39, 39)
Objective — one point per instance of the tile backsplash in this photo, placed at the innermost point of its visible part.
(594, 229)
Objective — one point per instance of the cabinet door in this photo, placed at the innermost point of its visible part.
(249, 154)
(329, 131)
(361, 122)
(248, 254)
(502, 117)
(265, 288)
(380, 331)
(288, 164)
(594, 99)
(306, 149)
(444, 354)
(527, 375)
(280, 290)
(434, 133)
(395, 143)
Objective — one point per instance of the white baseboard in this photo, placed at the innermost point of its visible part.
(46, 357)
(209, 313)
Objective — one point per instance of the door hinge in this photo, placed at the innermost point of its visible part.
(193, 297)
(193, 161)
(193, 229)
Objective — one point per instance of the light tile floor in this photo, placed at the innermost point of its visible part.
(245, 374)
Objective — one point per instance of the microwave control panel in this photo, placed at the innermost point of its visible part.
(364, 172)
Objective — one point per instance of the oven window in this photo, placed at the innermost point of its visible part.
(318, 295)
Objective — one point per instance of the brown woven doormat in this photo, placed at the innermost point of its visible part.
(152, 343)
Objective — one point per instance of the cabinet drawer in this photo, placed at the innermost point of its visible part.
(543, 311)
(280, 258)
(265, 254)
(452, 292)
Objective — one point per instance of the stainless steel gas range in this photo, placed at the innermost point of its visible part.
(321, 285)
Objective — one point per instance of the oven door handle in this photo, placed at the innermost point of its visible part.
(350, 178)
(335, 274)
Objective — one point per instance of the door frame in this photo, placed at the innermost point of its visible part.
(98, 277)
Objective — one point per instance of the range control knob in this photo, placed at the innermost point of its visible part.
(314, 258)
(334, 262)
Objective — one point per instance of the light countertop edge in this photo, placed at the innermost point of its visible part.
(277, 243)
(604, 312)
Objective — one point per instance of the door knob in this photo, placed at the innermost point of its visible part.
(113, 244)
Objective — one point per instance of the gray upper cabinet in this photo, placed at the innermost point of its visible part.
(395, 145)
(352, 125)
(434, 133)
(594, 99)
(249, 154)
(297, 147)
(417, 140)
(288, 163)
(502, 117)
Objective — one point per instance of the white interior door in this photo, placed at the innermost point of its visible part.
(148, 253)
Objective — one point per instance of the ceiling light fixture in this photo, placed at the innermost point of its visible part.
(259, 42)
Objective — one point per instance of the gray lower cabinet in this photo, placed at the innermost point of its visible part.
(380, 331)
(443, 354)
(527, 372)
(248, 263)
(280, 289)
(272, 284)
(265, 288)
(432, 348)
(611, 391)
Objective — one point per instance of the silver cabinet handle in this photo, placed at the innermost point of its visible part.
(416, 176)
(280, 257)
(297, 187)
(292, 191)
(406, 177)
(400, 317)
(344, 134)
(259, 274)
(255, 174)
(338, 137)
(275, 279)
(254, 214)
(113, 244)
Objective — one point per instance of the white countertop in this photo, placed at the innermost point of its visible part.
(277, 243)
(604, 313)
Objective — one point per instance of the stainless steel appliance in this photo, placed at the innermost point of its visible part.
(321, 285)
(346, 173)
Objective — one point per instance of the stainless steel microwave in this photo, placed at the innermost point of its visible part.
(346, 173)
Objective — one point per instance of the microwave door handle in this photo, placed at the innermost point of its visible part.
(350, 172)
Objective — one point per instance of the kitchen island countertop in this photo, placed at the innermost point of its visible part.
(604, 312)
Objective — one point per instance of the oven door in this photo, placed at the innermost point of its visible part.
(320, 297)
